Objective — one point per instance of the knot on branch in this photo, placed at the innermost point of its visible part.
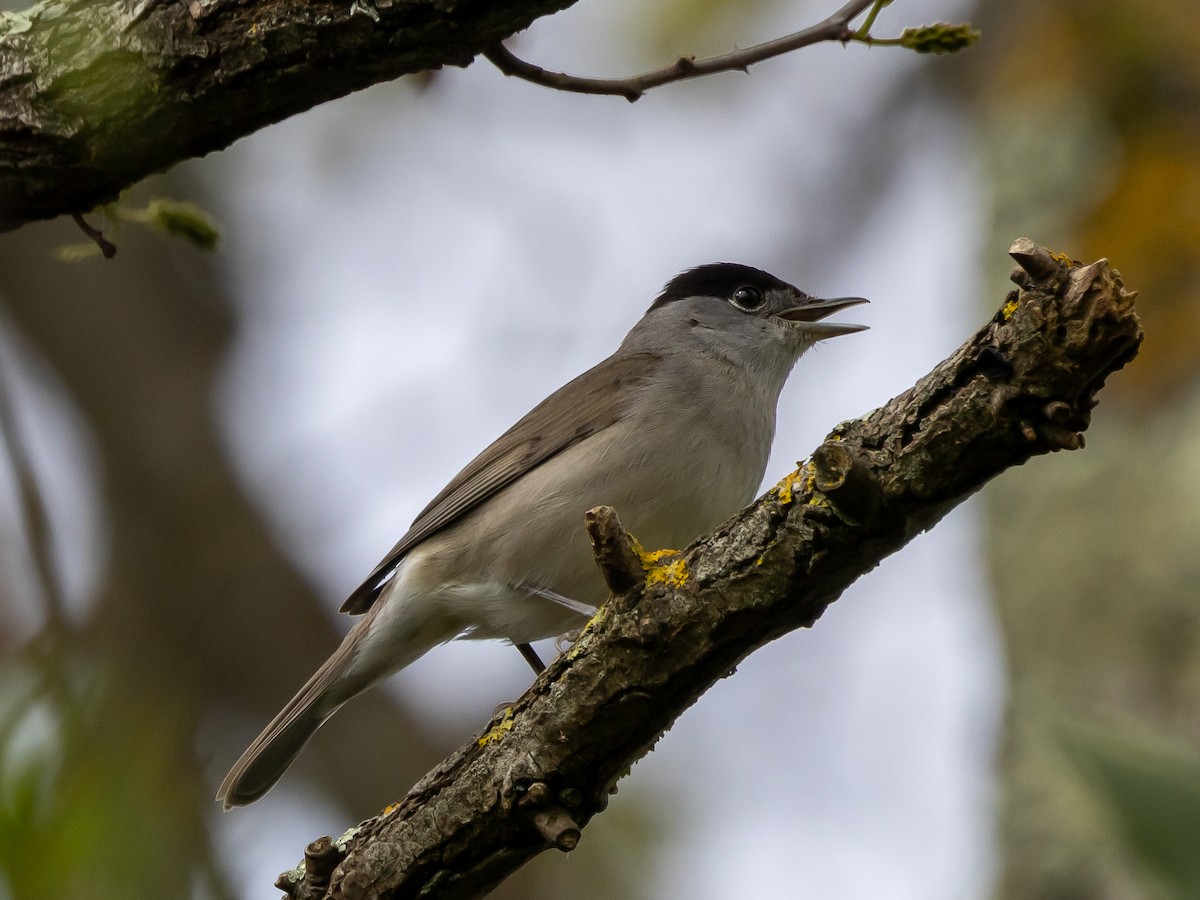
(614, 550)
(537, 794)
(847, 481)
(1059, 426)
(1036, 263)
(550, 817)
(321, 857)
(557, 827)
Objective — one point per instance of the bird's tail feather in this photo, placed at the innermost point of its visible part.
(281, 741)
(391, 635)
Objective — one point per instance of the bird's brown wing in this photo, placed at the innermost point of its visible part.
(582, 407)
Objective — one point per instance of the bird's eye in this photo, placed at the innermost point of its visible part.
(747, 298)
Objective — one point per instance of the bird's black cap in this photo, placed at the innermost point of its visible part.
(716, 280)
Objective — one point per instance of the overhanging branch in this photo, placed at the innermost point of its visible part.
(1024, 385)
(95, 96)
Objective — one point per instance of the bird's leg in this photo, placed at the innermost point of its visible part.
(531, 657)
(564, 641)
(584, 609)
(535, 663)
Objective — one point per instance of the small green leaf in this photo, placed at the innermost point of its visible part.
(178, 218)
(77, 252)
(939, 38)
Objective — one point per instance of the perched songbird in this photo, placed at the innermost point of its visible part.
(673, 431)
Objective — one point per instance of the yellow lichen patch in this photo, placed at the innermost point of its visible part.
(390, 808)
(589, 626)
(785, 491)
(785, 487)
(673, 574)
(1009, 308)
(817, 499)
(499, 731)
(1062, 258)
(810, 482)
(650, 560)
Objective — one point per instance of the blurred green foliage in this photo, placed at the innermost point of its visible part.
(175, 218)
(1152, 788)
(79, 823)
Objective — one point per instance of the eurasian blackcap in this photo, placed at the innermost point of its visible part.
(673, 431)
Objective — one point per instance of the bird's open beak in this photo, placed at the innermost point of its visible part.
(808, 315)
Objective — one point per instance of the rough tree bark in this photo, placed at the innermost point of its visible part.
(1024, 385)
(96, 95)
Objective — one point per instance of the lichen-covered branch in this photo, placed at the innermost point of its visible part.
(1023, 386)
(97, 94)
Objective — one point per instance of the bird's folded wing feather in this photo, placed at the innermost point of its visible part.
(576, 411)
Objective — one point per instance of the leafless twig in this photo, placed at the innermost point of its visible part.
(107, 247)
(835, 28)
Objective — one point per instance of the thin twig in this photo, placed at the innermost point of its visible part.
(834, 28)
(864, 30)
(107, 247)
